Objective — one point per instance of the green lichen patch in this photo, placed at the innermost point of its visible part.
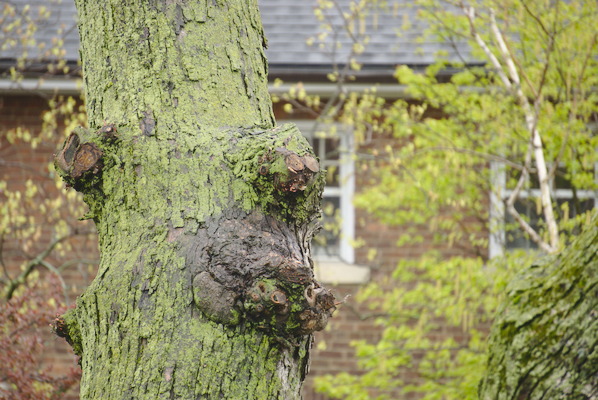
(282, 169)
(185, 82)
(544, 343)
(288, 309)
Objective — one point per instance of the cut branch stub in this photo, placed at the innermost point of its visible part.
(76, 158)
(66, 327)
(311, 163)
(65, 157)
(297, 310)
(280, 165)
(294, 163)
(87, 158)
(298, 171)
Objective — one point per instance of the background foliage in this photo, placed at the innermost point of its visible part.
(432, 163)
(41, 240)
(460, 145)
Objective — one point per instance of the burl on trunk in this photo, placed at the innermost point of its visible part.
(205, 210)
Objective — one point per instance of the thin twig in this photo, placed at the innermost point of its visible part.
(38, 260)
(364, 316)
(56, 272)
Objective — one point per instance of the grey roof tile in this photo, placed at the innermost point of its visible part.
(287, 24)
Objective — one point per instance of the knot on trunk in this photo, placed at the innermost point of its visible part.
(215, 300)
(299, 173)
(250, 269)
(81, 161)
(77, 159)
(289, 309)
(282, 169)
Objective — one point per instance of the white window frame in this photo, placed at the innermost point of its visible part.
(499, 194)
(345, 191)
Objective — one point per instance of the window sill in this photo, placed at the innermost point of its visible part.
(341, 273)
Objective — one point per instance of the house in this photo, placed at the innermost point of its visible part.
(288, 26)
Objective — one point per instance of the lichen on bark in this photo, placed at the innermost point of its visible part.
(544, 343)
(204, 209)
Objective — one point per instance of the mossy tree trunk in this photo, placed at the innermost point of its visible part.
(544, 343)
(204, 209)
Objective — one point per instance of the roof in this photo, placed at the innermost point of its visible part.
(287, 24)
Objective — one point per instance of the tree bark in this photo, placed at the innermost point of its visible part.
(544, 343)
(204, 209)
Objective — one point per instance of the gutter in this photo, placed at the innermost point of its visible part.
(66, 86)
(74, 86)
(385, 90)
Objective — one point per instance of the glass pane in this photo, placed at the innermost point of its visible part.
(574, 207)
(332, 175)
(332, 149)
(560, 182)
(531, 211)
(315, 144)
(515, 237)
(513, 176)
(326, 242)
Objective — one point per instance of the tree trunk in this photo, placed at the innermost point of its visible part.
(544, 343)
(204, 209)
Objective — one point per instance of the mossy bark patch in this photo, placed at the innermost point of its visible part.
(205, 287)
(544, 343)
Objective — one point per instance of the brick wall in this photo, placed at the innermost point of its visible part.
(332, 351)
(19, 162)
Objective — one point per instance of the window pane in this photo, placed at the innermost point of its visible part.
(560, 182)
(332, 175)
(332, 148)
(329, 146)
(326, 242)
(315, 144)
(529, 210)
(574, 207)
(513, 176)
(515, 238)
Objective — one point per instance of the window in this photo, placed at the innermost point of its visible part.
(334, 150)
(505, 234)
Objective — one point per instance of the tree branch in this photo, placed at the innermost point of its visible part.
(37, 260)
(470, 14)
(56, 272)
(535, 146)
(515, 214)
(531, 120)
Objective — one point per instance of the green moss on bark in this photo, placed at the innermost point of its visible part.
(183, 212)
(258, 162)
(544, 343)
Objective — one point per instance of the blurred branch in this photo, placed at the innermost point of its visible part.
(21, 165)
(531, 119)
(364, 316)
(535, 145)
(55, 271)
(37, 261)
(515, 214)
(4, 269)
